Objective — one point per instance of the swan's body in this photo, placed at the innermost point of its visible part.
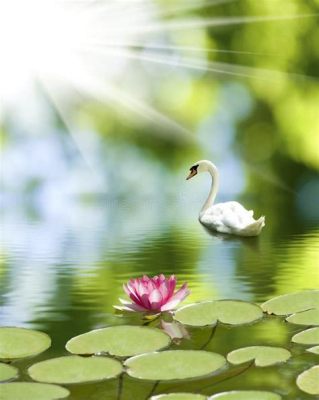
(230, 217)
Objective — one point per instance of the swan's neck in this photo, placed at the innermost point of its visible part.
(212, 169)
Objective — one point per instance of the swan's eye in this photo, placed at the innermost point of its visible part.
(194, 168)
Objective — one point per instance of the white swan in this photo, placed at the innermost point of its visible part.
(230, 217)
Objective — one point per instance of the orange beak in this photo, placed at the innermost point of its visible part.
(191, 174)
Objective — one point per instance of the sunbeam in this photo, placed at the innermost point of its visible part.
(113, 96)
(197, 23)
(164, 47)
(220, 68)
(171, 128)
(192, 6)
(80, 142)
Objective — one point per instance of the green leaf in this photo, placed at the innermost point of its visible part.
(308, 317)
(309, 336)
(122, 341)
(245, 395)
(7, 372)
(75, 369)
(19, 343)
(174, 364)
(308, 381)
(179, 396)
(263, 356)
(292, 303)
(230, 312)
(314, 350)
(32, 391)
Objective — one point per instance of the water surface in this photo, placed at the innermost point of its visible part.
(63, 273)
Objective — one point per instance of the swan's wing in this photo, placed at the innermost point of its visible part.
(231, 218)
(231, 215)
(220, 218)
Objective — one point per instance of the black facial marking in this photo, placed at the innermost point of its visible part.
(194, 168)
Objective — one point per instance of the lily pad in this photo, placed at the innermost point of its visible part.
(263, 356)
(179, 396)
(19, 343)
(230, 312)
(292, 303)
(308, 317)
(7, 372)
(75, 369)
(308, 381)
(174, 364)
(246, 395)
(314, 350)
(32, 391)
(309, 336)
(122, 341)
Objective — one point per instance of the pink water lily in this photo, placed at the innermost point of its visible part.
(153, 294)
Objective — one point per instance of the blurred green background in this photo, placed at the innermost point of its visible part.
(97, 139)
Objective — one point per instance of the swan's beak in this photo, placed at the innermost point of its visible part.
(191, 174)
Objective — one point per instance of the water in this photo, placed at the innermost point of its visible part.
(62, 273)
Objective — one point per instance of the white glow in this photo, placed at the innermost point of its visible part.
(68, 44)
(35, 36)
(51, 40)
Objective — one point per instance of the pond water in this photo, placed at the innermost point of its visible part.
(62, 273)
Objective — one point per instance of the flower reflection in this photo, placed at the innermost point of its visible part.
(175, 330)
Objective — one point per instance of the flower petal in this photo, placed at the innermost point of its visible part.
(155, 299)
(163, 288)
(130, 307)
(176, 299)
(171, 285)
(132, 294)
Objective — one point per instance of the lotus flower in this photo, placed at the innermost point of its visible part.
(153, 294)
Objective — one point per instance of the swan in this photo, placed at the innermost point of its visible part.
(230, 217)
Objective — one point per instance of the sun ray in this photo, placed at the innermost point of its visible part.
(163, 47)
(110, 93)
(198, 23)
(113, 96)
(54, 97)
(195, 5)
(148, 112)
(147, 5)
(217, 67)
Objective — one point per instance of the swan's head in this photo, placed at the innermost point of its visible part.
(198, 167)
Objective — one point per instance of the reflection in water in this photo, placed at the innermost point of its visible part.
(54, 262)
(63, 275)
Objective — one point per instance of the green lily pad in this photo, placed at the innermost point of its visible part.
(245, 395)
(309, 336)
(308, 317)
(263, 356)
(19, 343)
(174, 364)
(179, 396)
(122, 341)
(230, 312)
(308, 381)
(314, 350)
(292, 303)
(7, 372)
(32, 391)
(75, 369)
